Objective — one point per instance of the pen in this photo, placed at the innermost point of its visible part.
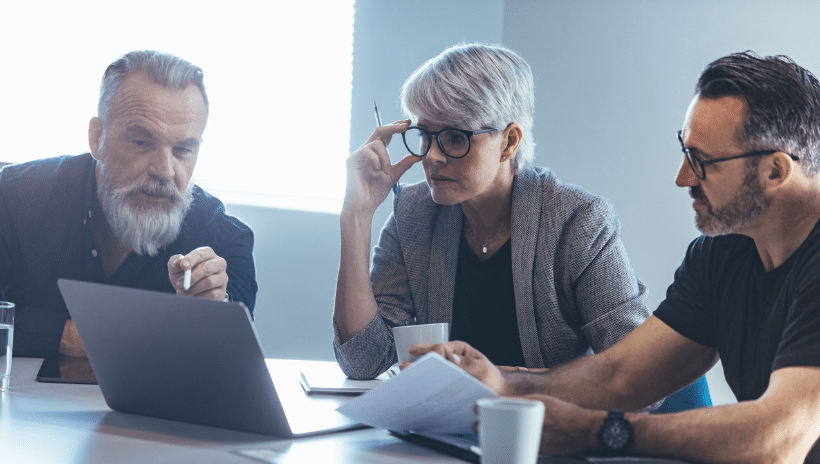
(396, 187)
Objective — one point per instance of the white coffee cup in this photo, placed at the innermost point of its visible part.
(409, 335)
(509, 430)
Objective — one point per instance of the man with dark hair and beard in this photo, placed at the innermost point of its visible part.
(747, 293)
(126, 214)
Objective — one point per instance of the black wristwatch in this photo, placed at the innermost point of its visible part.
(615, 434)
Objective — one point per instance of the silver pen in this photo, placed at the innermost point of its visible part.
(396, 186)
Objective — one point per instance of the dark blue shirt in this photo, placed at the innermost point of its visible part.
(47, 233)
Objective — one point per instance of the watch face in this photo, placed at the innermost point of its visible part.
(615, 435)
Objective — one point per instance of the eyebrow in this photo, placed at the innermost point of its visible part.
(698, 152)
(192, 142)
(189, 143)
(139, 130)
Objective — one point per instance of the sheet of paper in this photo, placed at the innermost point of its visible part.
(432, 395)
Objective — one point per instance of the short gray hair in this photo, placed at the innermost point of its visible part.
(475, 86)
(165, 69)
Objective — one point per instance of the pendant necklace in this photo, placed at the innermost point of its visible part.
(484, 245)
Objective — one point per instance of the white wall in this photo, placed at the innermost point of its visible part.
(297, 253)
(613, 80)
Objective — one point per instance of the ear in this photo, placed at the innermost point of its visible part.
(95, 136)
(777, 169)
(513, 135)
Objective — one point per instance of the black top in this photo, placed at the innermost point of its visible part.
(47, 232)
(484, 305)
(759, 321)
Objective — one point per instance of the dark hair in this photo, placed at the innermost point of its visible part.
(783, 101)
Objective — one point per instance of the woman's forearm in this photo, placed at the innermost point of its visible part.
(355, 304)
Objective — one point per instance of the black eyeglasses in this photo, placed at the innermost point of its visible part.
(699, 166)
(454, 143)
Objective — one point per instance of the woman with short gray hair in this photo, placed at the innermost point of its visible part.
(529, 270)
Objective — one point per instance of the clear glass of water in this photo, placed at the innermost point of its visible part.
(6, 340)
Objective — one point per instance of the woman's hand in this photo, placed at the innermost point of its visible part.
(370, 176)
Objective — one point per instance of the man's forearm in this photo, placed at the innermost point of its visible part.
(590, 382)
(741, 432)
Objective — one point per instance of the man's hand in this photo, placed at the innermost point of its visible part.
(209, 277)
(567, 428)
(70, 344)
(471, 360)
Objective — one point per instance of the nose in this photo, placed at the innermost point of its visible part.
(434, 154)
(162, 164)
(686, 176)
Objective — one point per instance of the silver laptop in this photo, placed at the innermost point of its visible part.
(191, 360)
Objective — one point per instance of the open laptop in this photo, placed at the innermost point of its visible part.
(189, 359)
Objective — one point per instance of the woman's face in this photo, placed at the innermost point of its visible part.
(476, 175)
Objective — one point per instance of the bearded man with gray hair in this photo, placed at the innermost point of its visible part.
(125, 214)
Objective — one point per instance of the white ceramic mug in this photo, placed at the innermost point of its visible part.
(409, 335)
(509, 430)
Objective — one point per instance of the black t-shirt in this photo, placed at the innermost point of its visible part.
(759, 321)
(484, 306)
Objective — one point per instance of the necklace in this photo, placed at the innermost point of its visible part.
(484, 245)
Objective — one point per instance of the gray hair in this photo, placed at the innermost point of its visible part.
(475, 86)
(165, 69)
(783, 102)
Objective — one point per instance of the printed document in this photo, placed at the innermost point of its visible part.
(432, 396)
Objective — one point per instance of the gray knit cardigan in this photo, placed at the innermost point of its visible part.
(575, 291)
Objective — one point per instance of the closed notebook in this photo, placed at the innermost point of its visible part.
(328, 383)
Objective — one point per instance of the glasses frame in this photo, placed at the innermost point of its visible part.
(692, 158)
(435, 134)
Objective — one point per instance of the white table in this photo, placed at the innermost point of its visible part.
(64, 423)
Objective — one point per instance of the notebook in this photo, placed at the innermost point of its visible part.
(191, 360)
(322, 383)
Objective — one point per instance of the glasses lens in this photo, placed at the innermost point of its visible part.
(455, 143)
(694, 164)
(417, 142)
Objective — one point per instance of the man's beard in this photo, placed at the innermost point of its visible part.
(747, 206)
(139, 224)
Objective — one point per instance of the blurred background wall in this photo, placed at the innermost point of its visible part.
(613, 80)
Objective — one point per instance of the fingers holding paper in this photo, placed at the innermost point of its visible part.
(468, 358)
(201, 273)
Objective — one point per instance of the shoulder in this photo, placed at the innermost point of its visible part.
(414, 203)
(716, 249)
(208, 212)
(36, 173)
(41, 181)
(540, 189)
(807, 258)
(716, 259)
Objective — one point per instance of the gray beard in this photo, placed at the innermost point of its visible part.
(143, 227)
(747, 206)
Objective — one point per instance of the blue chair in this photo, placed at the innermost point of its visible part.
(695, 395)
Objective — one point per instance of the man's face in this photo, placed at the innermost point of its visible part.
(147, 150)
(731, 197)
